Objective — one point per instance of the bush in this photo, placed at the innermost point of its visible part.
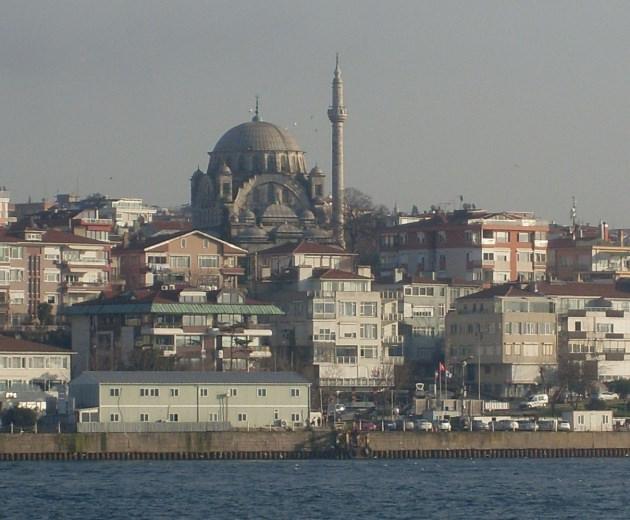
(597, 404)
(20, 417)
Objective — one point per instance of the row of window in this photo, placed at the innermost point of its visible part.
(34, 361)
(511, 327)
(327, 308)
(203, 392)
(184, 261)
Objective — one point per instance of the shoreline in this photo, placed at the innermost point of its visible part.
(316, 444)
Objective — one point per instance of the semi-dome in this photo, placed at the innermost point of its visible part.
(279, 212)
(256, 136)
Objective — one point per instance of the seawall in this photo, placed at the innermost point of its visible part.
(310, 444)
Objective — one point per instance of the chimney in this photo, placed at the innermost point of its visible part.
(603, 230)
(621, 237)
(364, 270)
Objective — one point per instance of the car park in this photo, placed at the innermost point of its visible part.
(527, 426)
(424, 425)
(505, 425)
(547, 425)
(480, 426)
(443, 425)
(564, 426)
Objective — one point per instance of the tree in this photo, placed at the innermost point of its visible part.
(19, 417)
(44, 313)
(363, 219)
(621, 386)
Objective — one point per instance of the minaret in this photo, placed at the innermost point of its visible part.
(337, 115)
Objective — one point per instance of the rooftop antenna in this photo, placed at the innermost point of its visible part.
(573, 217)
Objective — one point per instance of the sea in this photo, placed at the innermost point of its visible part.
(313, 489)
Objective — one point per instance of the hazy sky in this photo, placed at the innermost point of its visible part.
(514, 105)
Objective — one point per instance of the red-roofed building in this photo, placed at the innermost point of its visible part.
(474, 245)
(275, 261)
(48, 267)
(190, 257)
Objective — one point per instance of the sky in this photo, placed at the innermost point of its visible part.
(511, 105)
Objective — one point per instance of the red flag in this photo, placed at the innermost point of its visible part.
(442, 367)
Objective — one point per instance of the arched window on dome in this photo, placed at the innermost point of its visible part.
(271, 163)
(259, 164)
(291, 162)
(285, 163)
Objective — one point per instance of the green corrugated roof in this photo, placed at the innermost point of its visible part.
(176, 308)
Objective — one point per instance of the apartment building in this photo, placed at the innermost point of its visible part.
(597, 339)
(587, 260)
(29, 363)
(333, 327)
(472, 245)
(115, 401)
(48, 267)
(127, 211)
(171, 329)
(273, 262)
(505, 336)
(190, 257)
(420, 311)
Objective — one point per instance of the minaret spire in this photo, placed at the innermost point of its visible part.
(337, 114)
(257, 111)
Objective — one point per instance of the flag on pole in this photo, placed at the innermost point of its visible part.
(442, 368)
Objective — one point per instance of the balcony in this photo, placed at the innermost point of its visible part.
(84, 260)
(392, 317)
(364, 382)
(232, 271)
(393, 340)
(325, 337)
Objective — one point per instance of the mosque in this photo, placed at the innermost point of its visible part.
(257, 191)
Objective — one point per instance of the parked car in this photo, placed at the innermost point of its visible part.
(564, 426)
(536, 401)
(367, 426)
(527, 426)
(606, 396)
(506, 425)
(443, 425)
(480, 426)
(390, 426)
(424, 425)
(547, 425)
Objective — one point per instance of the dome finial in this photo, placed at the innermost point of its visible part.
(257, 111)
(337, 67)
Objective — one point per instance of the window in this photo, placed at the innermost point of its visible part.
(180, 262)
(488, 256)
(203, 392)
(174, 392)
(502, 236)
(114, 417)
(369, 331)
(442, 263)
(233, 392)
(368, 309)
(523, 237)
(323, 309)
(295, 417)
(346, 355)
(114, 392)
(368, 352)
(144, 417)
(423, 331)
(604, 327)
(422, 312)
(241, 417)
(51, 298)
(578, 326)
(149, 392)
(295, 392)
(173, 417)
(206, 243)
(261, 392)
(276, 414)
(348, 308)
(208, 261)
(182, 243)
(213, 417)
(51, 276)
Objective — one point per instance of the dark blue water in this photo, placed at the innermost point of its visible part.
(507, 488)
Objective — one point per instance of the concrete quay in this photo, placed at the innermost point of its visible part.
(310, 444)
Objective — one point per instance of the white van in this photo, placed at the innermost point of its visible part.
(536, 401)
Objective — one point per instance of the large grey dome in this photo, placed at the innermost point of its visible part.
(256, 136)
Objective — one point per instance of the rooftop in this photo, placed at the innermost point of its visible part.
(14, 345)
(192, 377)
